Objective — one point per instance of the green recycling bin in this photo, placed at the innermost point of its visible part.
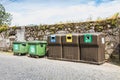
(20, 47)
(37, 48)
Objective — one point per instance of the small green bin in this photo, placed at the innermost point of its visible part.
(20, 47)
(37, 48)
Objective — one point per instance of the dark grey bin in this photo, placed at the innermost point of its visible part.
(71, 50)
(92, 46)
(55, 46)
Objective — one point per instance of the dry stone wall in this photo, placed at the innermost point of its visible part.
(109, 27)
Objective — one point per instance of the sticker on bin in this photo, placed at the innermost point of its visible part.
(103, 40)
(32, 49)
(53, 38)
(69, 38)
(16, 47)
(87, 38)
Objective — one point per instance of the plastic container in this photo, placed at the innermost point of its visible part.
(20, 47)
(37, 48)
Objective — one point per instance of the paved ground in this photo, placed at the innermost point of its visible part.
(25, 68)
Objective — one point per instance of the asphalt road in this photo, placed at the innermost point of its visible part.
(25, 68)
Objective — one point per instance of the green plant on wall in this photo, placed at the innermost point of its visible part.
(43, 27)
(3, 31)
(100, 28)
(14, 27)
(60, 27)
(3, 28)
(39, 27)
(113, 19)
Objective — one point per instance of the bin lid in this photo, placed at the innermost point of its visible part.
(37, 42)
(19, 42)
(54, 35)
(97, 33)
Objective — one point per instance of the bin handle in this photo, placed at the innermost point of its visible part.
(23, 44)
(41, 45)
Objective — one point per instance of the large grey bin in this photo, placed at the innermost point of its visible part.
(71, 49)
(55, 46)
(92, 46)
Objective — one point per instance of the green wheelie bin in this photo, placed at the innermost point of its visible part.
(20, 48)
(37, 48)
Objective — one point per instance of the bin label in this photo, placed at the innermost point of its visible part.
(69, 38)
(16, 47)
(32, 49)
(53, 38)
(87, 38)
(103, 40)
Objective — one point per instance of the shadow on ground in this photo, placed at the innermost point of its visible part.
(115, 61)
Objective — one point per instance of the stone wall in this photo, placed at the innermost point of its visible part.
(110, 27)
(20, 34)
(6, 39)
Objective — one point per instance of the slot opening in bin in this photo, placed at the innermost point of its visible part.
(69, 37)
(52, 37)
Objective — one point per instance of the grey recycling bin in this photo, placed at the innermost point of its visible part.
(55, 46)
(92, 47)
(71, 49)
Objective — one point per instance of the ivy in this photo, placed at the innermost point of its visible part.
(3, 28)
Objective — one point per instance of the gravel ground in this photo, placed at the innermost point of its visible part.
(25, 68)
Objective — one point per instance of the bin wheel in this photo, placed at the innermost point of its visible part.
(14, 53)
(28, 55)
(19, 54)
(37, 56)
